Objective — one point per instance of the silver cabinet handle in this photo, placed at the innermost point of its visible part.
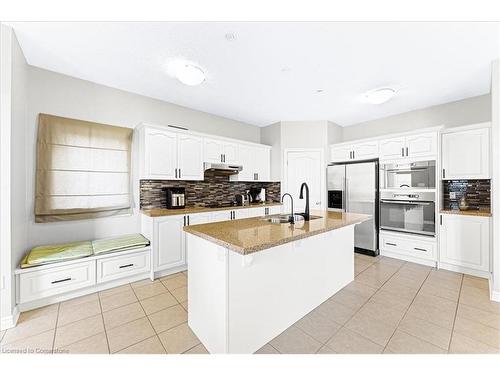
(188, 219)
(175, 172)
(61, 280)
(127, 265)
(179, 173)
(391, 244)
(406, 151)
(444, 173)
(402, 151)
(420, 249)
(184, 220)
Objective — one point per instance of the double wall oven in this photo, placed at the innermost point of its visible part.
(408, 197)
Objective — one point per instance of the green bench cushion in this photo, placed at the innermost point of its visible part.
(57, 253)
(129, 241)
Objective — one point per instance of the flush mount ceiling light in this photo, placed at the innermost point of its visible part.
(379, 96)
(187, 73)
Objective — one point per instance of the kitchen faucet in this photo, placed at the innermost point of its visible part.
(301, 196)
(292, 219)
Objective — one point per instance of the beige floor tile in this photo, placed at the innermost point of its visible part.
(318, 326)
(168, 318)
(267, 349)
(434, 289)
(391, 261)
(37, 344)
(80, 300)
(179, 339)
(360, 288)
(97, 344)
(376, 275)
(30, 327)
(295, 341)
(476, 282)
(37, 313)
(403, 343)
(442, 303)
(478, 298)
(175, 282)
(173, 275)
(433, 314)
(382, 312)
(373, 329)
(395, 301)
(399, 289)
(185, 305)
(198, 349)
(122, 315)
(148, 346)
(346, 341)
(158, 302)
(143, 282)
(326, 350)
(447, 275)
(401, 279)
(335, 311)
(360, 266)
(180, 294)
(78, 331)
(150, 290)
(477, 331)
(129, 334)
(484, 317)
(461, 344)
(443, 282)
(349, 299)
(118, 289)
(116, 300)
(72, 313)
(426, 331)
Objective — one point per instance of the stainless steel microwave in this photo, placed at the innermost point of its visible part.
(416, 175)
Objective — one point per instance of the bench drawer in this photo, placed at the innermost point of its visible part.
(405, 245)
(57, 280)
(123, 266)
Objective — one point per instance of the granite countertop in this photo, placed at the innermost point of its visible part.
(157, 212)
(467, 212)
(247, 236)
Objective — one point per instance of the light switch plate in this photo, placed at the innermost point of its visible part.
(453, 195)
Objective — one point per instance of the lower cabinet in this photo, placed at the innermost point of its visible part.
(419, 249)
(465, 242)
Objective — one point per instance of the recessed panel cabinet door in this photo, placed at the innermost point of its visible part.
(466, 154)
(213, 150)
(424, 144)
(464, 241)
(263, 163)
(392, 148)
(340, 153)
(190, 157)
(169, 250)
(366, 150)
(248, 161)
(161, 154)
(231, 153)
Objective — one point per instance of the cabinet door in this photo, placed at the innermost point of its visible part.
(213, 150)
(263, 163)
(274, 210)
(340, 153)
(169, 250)
(190, 157)
(392, 148)
(248, 161)
(424, 144)
(199, 218)
(366, 150)
(220, 216)
(230, 152)
(256, 212)
(465, 154)
(161, 154)
(241, 213)
(464, 241)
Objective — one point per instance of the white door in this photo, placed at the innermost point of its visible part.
(263, 163)
(393, 148)
(161, 154)
(464, 241)
(466, 154)
(366, 150)
(420, 145)
(304, 166)
(213, 150)
(190, 157)
(170, 243)
(340, 153)
(247, 160)
(230, 153)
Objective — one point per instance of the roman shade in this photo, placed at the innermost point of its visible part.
(83, 169)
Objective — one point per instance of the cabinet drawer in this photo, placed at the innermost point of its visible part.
(122, 266)
(53, 281)
(413, 247)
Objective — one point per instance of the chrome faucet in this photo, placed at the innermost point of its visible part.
(301, 196)
(292, 218)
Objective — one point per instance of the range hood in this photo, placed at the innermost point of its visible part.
(221, 169)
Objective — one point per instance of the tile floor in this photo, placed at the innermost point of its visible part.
(391, 307)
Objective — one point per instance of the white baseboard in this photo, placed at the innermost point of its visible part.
(494, 294)
(465, 270)
(407, 258)
(10, 320)
(170, 271)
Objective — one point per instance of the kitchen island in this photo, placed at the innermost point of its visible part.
(251, 279)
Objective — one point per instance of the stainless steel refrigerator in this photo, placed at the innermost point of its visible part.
(354, 187)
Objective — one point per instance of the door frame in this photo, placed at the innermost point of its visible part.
(284, 182)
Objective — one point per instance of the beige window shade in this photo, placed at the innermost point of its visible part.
(83, 170)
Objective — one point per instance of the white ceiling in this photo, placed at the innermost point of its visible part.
(271, 71)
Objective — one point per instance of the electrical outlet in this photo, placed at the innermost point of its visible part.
(453, 195)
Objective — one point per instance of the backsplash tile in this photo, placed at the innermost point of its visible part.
(214, 189)
(477, 193)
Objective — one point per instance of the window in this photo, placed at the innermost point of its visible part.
(83, 170)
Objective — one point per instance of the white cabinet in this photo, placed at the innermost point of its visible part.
(465, 154)
(263, 211)
(356, 151)
(221, 216)
(168, 242)
(171, 156)
(465, 242)
(419, 249)
(219, 151)
(193, 219)
(423, 145)
(256, 163)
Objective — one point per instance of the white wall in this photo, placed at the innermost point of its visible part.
(463, 112)
(495, 181)
(61, 95)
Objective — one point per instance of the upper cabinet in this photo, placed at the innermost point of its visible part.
(466, 154)
(354, 151)
(219, 151)
(256, 163)
(412, 146)
(190, 157)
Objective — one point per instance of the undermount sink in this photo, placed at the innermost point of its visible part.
(282, 219)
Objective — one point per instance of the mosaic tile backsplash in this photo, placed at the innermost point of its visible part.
(214, 189)
(477, 193)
